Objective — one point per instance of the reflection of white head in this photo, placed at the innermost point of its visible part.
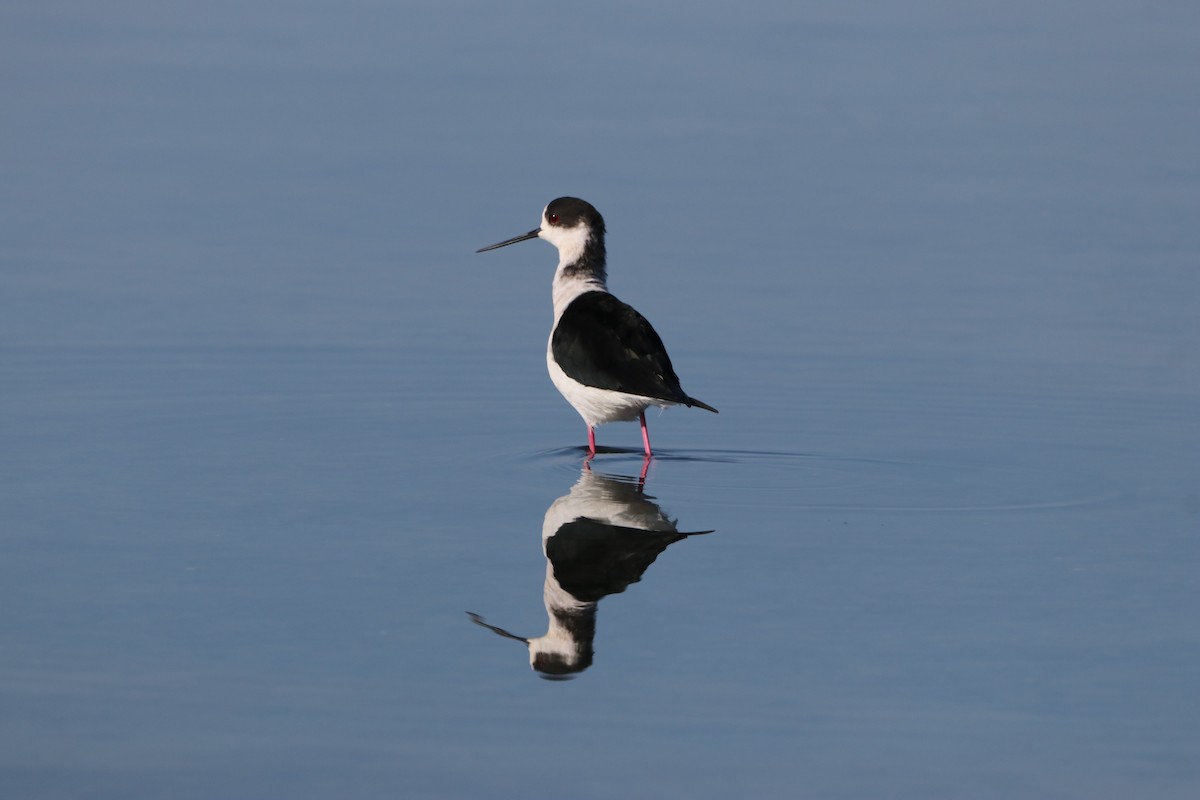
(566, 647)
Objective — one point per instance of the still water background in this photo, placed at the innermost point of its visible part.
(270, 428)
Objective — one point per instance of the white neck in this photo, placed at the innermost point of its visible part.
(570, 243)
(567, 287)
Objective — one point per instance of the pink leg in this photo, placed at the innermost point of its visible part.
(645, 433)
(591, 440)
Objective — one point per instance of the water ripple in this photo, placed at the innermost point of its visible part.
(813, 481)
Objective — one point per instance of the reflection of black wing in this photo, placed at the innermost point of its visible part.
(592, 559)
(602, 342)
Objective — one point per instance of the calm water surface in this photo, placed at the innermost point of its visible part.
(280, 459)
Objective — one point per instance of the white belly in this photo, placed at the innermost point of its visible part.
(598, 406)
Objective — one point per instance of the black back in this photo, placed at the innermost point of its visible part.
(594, 559)
(602, 342)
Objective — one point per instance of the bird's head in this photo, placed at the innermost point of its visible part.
(568, 223)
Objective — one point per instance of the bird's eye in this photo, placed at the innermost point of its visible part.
(552, 219)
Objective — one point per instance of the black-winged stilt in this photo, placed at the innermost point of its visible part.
(603, 356)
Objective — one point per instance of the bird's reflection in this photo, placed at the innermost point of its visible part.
(598, 539)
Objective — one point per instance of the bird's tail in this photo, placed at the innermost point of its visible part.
(693, 402)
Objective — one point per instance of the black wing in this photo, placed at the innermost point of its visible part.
(593, 559)
(602, 342)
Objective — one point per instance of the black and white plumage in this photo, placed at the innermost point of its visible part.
(599, 539)
(603, 356)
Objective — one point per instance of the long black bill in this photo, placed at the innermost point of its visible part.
(478, 620)
(531, 235)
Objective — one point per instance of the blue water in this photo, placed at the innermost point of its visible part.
(271, 429)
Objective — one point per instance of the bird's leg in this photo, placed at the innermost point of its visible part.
(591, 440)
(642, 477)
(645, 433)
